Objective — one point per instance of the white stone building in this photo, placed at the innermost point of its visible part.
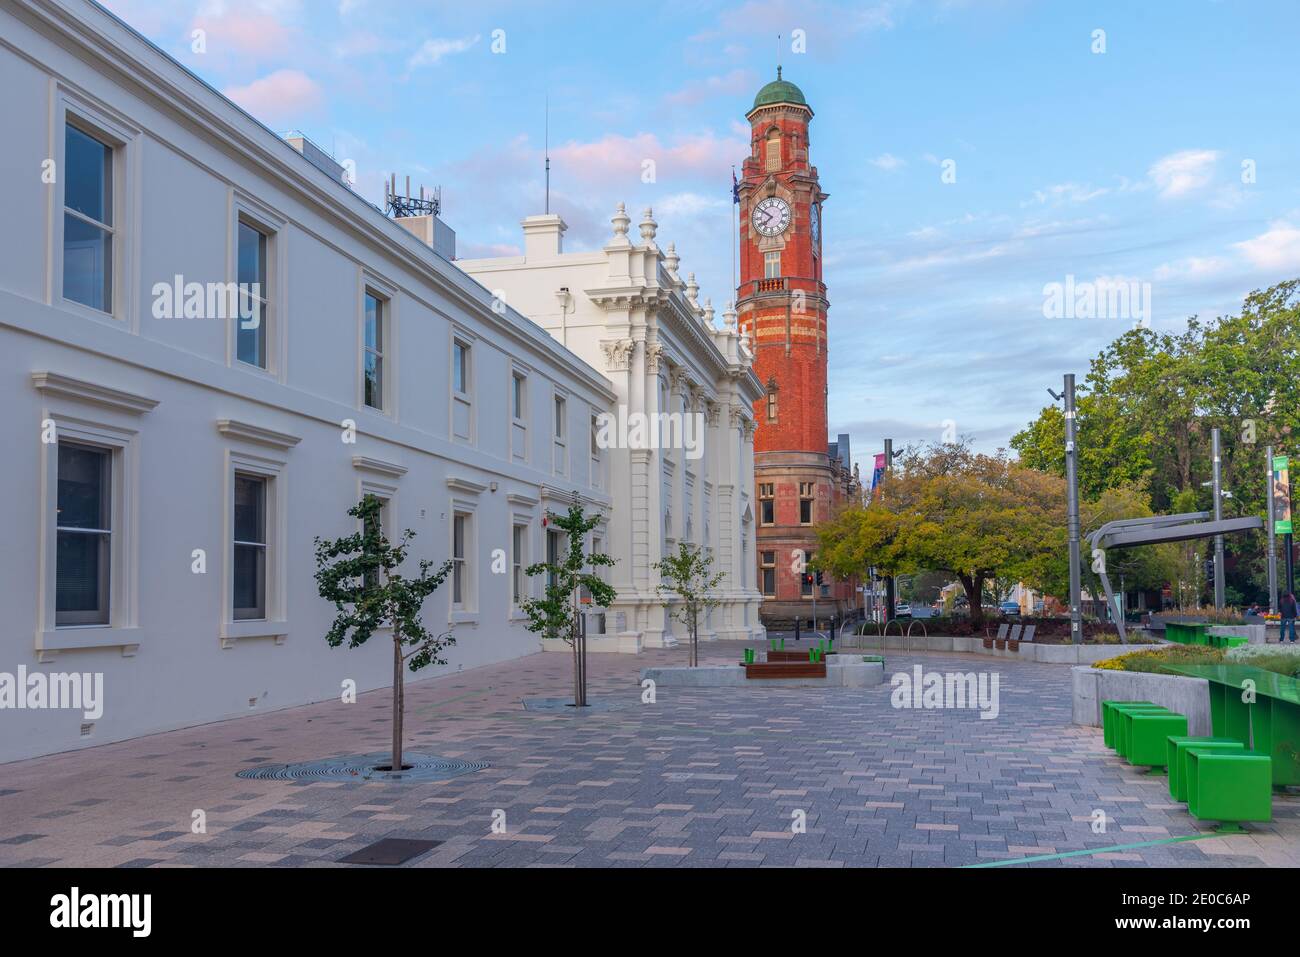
(626, 310)
(165, 470)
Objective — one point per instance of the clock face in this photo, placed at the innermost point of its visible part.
(771, 216)
(815, 224)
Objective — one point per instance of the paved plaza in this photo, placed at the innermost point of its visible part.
(700, 778)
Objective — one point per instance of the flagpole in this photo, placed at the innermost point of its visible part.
(735, 228)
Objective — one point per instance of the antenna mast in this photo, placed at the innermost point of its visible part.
(547, 140)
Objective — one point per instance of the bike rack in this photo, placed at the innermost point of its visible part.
(925, 632)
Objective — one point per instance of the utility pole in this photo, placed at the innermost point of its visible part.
(889, 580)
(1272, 530)
(1072, 501)
(1215, 449)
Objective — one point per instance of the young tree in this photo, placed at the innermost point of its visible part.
(359, 574)
(556, 613)
(687, 575)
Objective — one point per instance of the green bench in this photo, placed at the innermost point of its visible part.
(1108, 719)
(1122, 730)
(1269, 724)
(1229, 787)
(1176, 759)
(1148, 735)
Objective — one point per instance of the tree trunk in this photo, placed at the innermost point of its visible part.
(398, 699)
(973, 585)
(695, 640)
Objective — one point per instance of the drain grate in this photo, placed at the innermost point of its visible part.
(390, 851)
(566, 705)
(361, 767)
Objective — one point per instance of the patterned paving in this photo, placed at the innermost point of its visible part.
(704, 778)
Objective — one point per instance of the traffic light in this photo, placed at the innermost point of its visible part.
(819, 578)
(1209, 568)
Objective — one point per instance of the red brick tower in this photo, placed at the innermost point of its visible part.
(781, 303)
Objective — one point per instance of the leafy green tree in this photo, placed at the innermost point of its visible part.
(359, 574)
(688, 576)
(1151, 399)
(556, 613)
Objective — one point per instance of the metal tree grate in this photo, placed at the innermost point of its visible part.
(566, 705)
(362, 767)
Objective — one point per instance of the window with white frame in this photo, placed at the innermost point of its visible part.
(518, 562)
(88, 220)
(460, 367)
(462, 585)
(772, 265)
(561, 430)
(250, 547)
(596, 471)
(84, 530)
(252, 258)
(518, 396)
(375, 344)
(462, 389)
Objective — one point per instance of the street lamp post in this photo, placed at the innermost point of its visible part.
(1272, 530)
(1072, 500)
(1218, 516)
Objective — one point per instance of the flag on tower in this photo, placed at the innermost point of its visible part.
(735, 187)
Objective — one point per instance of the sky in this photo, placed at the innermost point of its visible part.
(976, 152)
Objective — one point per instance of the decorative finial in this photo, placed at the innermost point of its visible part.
(672, 260)
(648, 225)
(692, 287)
(621, 221)
(778, 71)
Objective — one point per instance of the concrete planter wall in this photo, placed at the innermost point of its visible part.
(1187, 696)
(1255, 634)
(624, 643)
(1028, 651)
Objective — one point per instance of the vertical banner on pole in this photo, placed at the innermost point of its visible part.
(1282, 495)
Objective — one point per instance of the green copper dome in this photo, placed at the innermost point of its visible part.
(779, 91)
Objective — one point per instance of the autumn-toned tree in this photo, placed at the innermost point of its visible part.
(947, 508)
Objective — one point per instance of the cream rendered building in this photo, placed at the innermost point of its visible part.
(626, 310)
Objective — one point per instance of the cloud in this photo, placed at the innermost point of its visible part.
(736, 83)
(431, 52)
(615, 157)
(888, 162)
(1185, 172)
(259, 31)
(1277, 250)
(1193, 267)
(283, 95)
(1067, 193)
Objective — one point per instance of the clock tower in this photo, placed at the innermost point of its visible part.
(781, 307)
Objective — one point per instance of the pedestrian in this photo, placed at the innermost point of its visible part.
(1287, 606)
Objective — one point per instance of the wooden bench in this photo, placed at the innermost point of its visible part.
(786, 669)
(787, 656)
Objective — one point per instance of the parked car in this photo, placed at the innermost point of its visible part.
(902, 609)
(1009, 608)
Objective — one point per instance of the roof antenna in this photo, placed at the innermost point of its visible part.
(778, 56)
(547, 139)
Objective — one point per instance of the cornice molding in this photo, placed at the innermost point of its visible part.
(80, 390)
(392, 470)
(234, 429)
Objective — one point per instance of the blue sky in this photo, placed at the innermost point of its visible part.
(1124, 165)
